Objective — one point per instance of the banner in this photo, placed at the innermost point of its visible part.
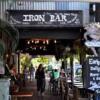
(93, 74)
(32, 18)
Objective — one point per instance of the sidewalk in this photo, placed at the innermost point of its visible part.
(31, 86)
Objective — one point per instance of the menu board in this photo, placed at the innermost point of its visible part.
(77, 73)
(93, 74)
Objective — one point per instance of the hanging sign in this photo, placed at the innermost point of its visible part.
(46, 18)
(77, 73)
(93, 43)
(93, 74)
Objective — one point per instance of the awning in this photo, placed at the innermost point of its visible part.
(95, 1)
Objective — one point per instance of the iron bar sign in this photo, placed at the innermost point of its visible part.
(46, 18)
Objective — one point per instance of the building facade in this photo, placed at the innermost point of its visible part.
(44, 5)
(88, 9)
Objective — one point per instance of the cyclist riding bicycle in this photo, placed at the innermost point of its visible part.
(55, 74)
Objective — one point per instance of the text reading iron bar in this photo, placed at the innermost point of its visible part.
(46, 18)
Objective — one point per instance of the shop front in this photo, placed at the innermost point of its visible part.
(47, 24)
(52, 24)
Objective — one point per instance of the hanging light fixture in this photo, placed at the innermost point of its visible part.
(47, 41)
(28, 42)
(32, 41)
(55, 41)
(43, 41)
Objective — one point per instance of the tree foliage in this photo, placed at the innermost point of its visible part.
(25, 60)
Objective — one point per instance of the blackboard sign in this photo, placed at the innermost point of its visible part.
(46, 18)
(93, 74)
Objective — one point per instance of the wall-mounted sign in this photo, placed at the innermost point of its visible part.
(93, 43)
(77, 73)
(93, 74)
(46, 18)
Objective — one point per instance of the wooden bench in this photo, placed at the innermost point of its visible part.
(22, 94)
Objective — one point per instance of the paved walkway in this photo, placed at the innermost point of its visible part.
(31, 86)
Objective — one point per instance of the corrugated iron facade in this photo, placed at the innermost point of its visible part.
(44, 5)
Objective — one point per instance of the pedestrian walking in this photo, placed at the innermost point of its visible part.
(31, 70)
(40, 77)
(25, 75)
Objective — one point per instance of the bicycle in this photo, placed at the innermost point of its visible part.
(55, 87)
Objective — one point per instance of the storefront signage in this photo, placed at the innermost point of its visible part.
(77, 73)
(93, 74)
(46, 18)
(93, 43)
